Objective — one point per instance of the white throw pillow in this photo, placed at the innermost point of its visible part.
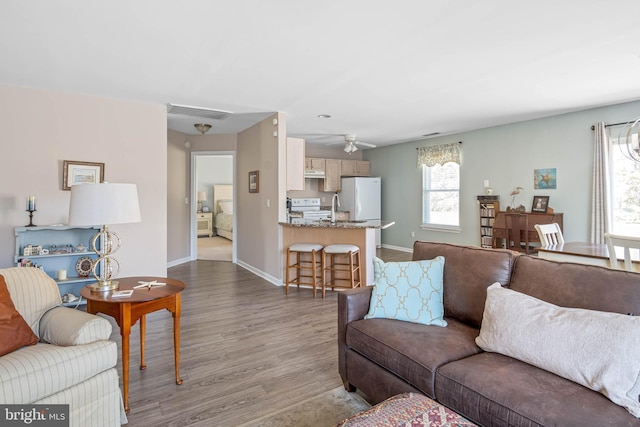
(226, 206)
(596, 349)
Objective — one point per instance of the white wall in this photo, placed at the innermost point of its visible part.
(257, 214)
(40, 129)
(179, 166)
(506, 156)
(178, 189)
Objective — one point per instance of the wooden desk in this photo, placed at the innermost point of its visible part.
(583, 253)
(501, 232)
(126, 311)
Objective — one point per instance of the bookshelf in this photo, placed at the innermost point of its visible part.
(489, 206)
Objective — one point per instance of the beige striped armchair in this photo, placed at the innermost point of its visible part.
(74, 361)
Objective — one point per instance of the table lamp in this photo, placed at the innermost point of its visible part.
(202, 197)
(104, 204)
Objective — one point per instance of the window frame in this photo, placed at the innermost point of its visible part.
(615, 158)
(426, 192)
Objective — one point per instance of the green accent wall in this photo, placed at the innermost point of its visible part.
(507, 156)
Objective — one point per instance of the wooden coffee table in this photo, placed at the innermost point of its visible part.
(127, 310)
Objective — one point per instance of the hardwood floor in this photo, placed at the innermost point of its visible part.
(246, 349)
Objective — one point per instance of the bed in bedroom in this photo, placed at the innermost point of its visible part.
(223, 210)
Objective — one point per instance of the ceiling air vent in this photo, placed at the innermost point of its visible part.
(187, 110)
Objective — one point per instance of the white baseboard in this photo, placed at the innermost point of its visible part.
(260, 273)
(177, 262)
(398, 248)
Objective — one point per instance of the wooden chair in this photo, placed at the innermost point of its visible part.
(549, 234)
(518, 229)
(500, 232)
(626, 242)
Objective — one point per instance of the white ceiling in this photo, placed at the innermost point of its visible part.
(388, 72)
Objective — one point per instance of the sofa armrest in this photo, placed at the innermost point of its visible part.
(352, 305)
(66, 326)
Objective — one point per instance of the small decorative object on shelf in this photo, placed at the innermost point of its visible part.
(487, 188)
(513, 194)
(30, 250)
(31, 208)
(84, 266)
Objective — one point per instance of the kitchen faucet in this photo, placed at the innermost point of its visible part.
(334, 199)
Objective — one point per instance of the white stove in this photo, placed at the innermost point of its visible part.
(309, 208)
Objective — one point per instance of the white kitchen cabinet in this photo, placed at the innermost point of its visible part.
(362, 168)
(314, 164)
(354, 168)
(331, 181)
(296, 164)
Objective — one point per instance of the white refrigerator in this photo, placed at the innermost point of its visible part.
(360, 196)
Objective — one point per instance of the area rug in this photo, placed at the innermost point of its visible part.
(214, 249)
(324, 410)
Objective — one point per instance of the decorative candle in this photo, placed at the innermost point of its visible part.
(31, 203)
(62, 274)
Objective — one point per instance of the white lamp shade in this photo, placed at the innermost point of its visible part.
(104, 204)
(202, 196)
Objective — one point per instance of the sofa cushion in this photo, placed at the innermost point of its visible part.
(14, 331)
(496, 390)
(589, 347)
(66, 326)
(468, 271)
(576, 285)
(33, 293)
(411, 351)
(409, 291)
(35, 372)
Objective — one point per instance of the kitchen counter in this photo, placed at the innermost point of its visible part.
(359, 233)
(304, 222)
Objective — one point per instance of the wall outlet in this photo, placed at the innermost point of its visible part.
(324, 199)
(268, 203)
(413, 234)
(186, 200)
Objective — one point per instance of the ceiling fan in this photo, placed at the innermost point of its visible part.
(351, 143)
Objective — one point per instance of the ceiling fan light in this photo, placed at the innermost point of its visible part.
(350, 148)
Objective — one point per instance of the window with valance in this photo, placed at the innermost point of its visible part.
(440, 186)
(439, 154)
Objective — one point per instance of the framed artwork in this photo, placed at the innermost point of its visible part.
(254, 181)
(540, 204)
(544, 179)
(81, 173)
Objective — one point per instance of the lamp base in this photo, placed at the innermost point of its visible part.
(104, 286)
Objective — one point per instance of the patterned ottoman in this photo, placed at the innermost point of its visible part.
(407, 410)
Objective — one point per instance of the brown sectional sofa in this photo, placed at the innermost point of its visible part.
(383, 357)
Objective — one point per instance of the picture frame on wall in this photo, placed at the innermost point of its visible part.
(540, 204)
(254, 182)
(81, 173)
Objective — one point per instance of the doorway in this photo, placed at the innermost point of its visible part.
(213, 202)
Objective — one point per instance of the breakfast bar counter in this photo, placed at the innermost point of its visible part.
(359, 233)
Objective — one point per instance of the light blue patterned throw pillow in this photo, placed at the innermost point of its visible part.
(409, 291)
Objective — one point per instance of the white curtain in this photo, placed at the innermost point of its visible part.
(601, 197)
(438, 154)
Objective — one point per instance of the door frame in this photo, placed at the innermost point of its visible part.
(193, 233)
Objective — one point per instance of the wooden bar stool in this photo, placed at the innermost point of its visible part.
(348, 270)
(302, 265)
